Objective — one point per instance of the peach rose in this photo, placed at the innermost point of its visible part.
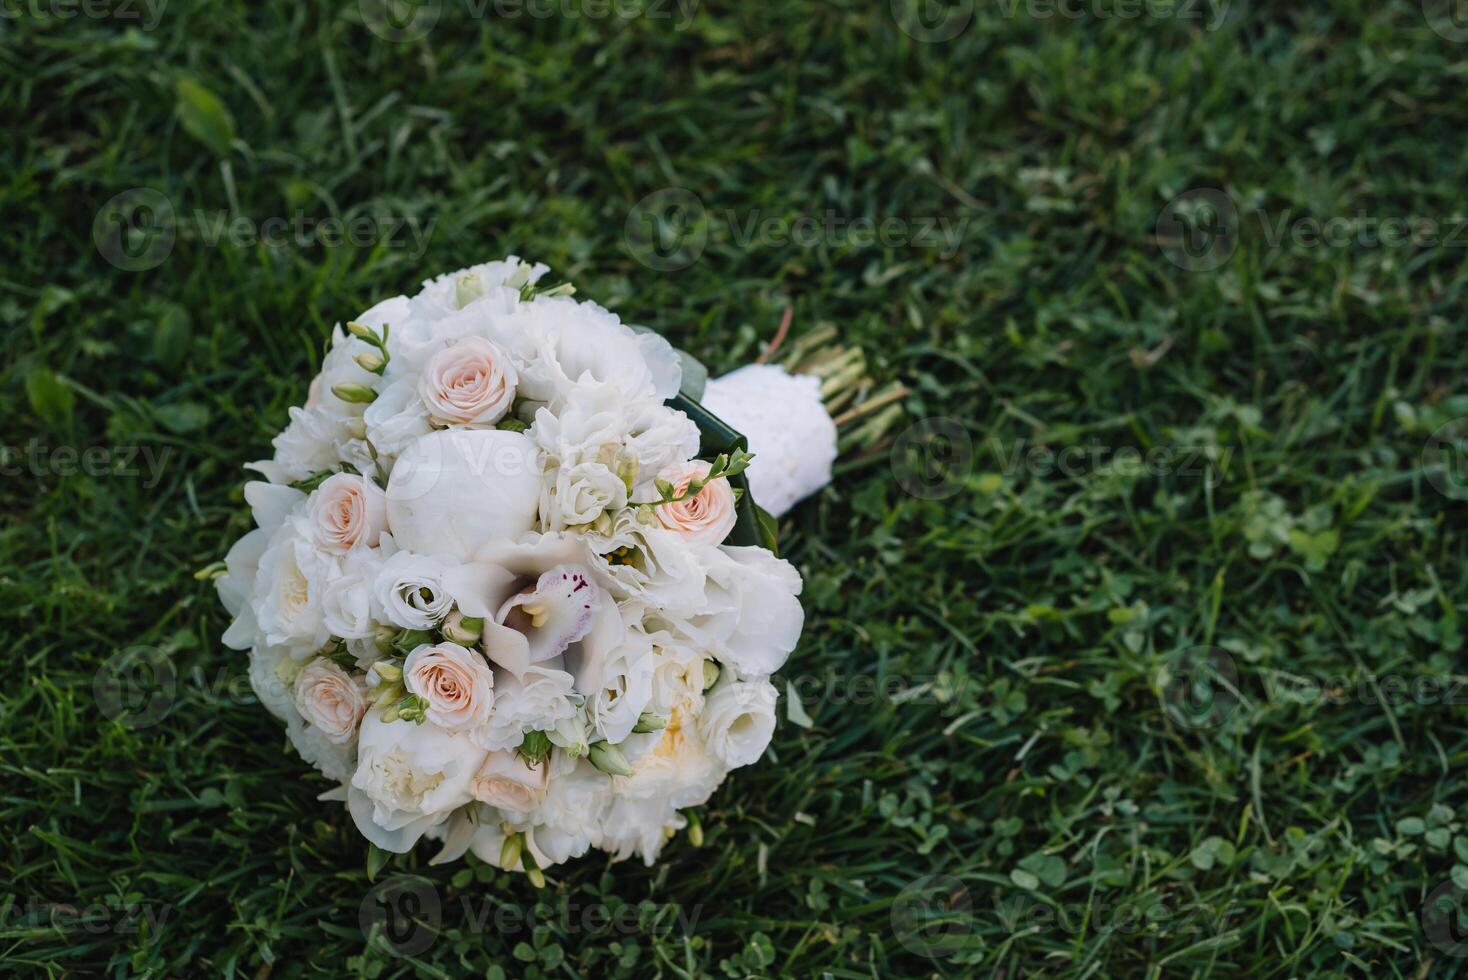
(330, 699)
(506, 782)
(708, 516)
(455, 682)
(471, 382)
(347, 511)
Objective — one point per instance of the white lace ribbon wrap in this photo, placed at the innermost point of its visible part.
(789, 431)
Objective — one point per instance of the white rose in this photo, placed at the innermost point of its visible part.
(455, 682)
(457, 491)
(409, 593)
(504, 781)
(330, 699)
(347, 604)
(470, 383)
(738, 720)
(579, 494)
(347, 512)
(409, 777)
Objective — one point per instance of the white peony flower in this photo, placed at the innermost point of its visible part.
(286, 601)
(409, 777)
(455, 682)
(738, 720)
(330, 699)
(408, 590)
(617, 685)
(459, 491)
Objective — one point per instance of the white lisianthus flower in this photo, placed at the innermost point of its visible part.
(409, 592)
(455, 682)
(738, 720)
(753, 615)
(330, 699)
(409, 777)
(347, 604)
(583, 345)
(347, 512)
(469, 383)
(505, 782)
(457, 491)
(617, 686)
(539, 699)
(395, 420)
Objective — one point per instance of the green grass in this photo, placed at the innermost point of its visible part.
(1023, 629)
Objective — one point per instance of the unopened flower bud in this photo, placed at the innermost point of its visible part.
(387, 673)
(648, 722)
(695, 830)
(570, 735)
(467, 288)
(383, 635)
(352, 392)
(362, 332)
(461, 629)
(371, 362)
(510, 851)
(609, 759)
(356, 428)
(710, 673)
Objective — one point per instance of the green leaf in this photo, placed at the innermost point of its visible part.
(182, 418)
(204, 116)
(171, 336)
(1410, 826)
(794, 710)
(51, 400)
(377, 859)
(1047, 867)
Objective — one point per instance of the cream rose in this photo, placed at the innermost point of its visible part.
(347, 512)
(705, 518)
(470, 382)
(506, 782)
(455, 682)
(330, 699)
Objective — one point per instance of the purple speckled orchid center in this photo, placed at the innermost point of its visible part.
(555, 613)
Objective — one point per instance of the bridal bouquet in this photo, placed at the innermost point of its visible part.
(509, 587)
